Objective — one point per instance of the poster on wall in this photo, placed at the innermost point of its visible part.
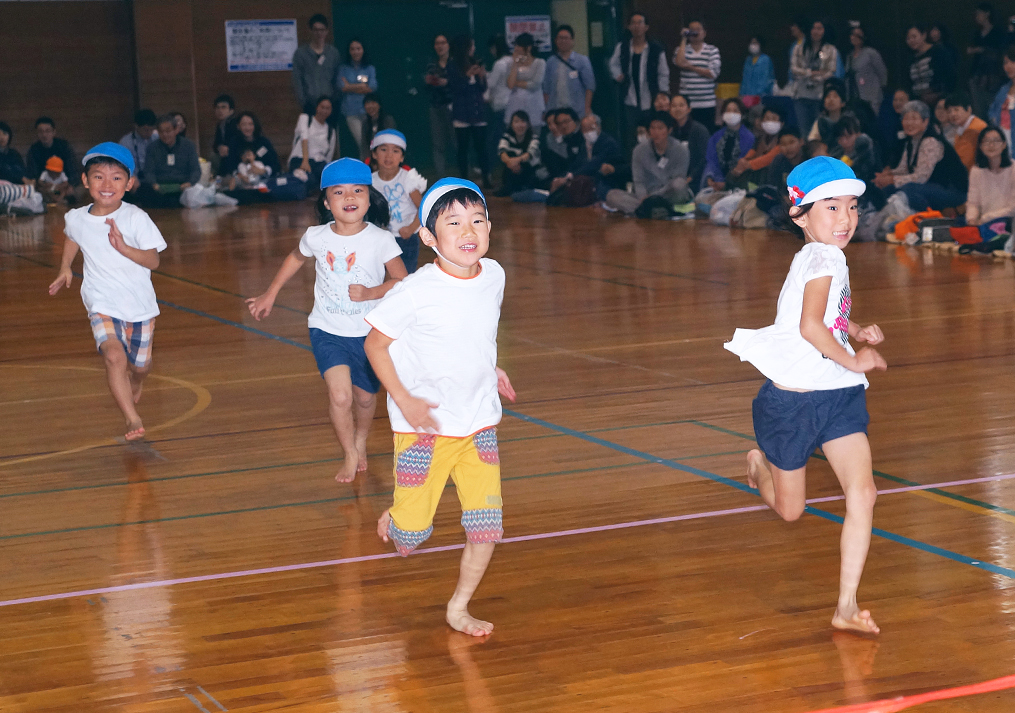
(536, 25)
(260, 45)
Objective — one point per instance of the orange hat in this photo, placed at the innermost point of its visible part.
(54, 164)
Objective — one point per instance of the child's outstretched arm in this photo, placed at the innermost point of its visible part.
(65, 277)
(416, 411)
(144, 258)
(261, 305)
(396, 271)
(813, 329)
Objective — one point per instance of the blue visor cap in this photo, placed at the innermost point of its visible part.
(822, 177)
(346, 171)
(442, 187)
(110, 150)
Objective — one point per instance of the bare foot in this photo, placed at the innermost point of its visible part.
(361, 466)
(135, 388)
(855, 620)
(755, 462)
(349, 468)
(382, 525)
(461, 620)
(135, 432)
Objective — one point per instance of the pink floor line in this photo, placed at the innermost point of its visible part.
(430, 550)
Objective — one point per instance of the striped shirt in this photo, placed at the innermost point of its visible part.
(700, 90)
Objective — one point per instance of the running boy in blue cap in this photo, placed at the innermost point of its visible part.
(434, 347)
(121, 247)
(815, 392)
(352, 257)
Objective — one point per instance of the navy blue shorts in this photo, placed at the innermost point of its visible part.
(789, 425)
(332, 350)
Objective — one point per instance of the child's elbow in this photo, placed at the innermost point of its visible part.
(156, 261)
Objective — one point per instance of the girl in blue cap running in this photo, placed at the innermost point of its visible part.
(815, 389)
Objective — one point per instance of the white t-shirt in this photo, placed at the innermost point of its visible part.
(344, 260)
(320, 146)
(445, 348)
(396, 191)
(780, 352)
(114, 285)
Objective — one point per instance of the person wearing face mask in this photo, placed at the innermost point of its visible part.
(603, 158)
(727, 146)
(691, 133)
(759, 75)
(753, 167)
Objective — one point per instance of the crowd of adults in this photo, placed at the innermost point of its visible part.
(525, 123)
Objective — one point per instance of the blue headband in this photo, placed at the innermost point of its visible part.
(346, 171)
(110, 150)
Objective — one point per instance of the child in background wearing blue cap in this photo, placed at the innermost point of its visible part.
(121, 247)
(403, 188)
(815, 392)
(434, 347)
(352, 257)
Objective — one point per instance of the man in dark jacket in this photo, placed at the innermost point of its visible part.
(49, 145)
(603, 158)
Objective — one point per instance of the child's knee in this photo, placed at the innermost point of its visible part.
(363, 399)
(141, 371)
(790, 510)
(485, 525)
(407, 540)
(340, 396)
(113, 354)
(862, 497)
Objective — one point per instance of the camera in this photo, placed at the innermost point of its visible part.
(689, 33)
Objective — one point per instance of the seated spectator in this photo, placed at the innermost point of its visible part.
(815, 147)
(225, 129)
(603, 157)
(833, 103)
(890, 127)
(47, 146)
(941, 122)
(143, 136)
(314, 142)
(251, 174)
(356, 78)
(791, 155)
(52, 183)
(374, 119)
(727, 146)
(991, 184)
(562, 147)
(658, 168)
(758, 76)
(753, 167)
(855, 148)
(931, 71)
(930, 173)
(966, 127)
(1000, 113)
(171, 167)
(12, 166)
(180, 121)
(693, 134)
(248, 135)
(592, 161)
(519, 152)
(660, 103)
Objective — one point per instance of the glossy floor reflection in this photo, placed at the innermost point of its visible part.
(629, 411)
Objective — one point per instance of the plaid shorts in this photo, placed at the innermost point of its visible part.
(136, 337)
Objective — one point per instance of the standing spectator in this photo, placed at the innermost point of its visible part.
(991, 183)
(143, 136)
(49, 145)
(797, 32)
(1000, 113)
(497, 90)
(985, 72)
(171, 167)
(356, 78)
(967, 127)
(442, 136)
(249, 136)
(12, 166)
(727, 146)
(758, 76)
(658, 168)
(315, 66)
(931, 72)
(866, 74)
(376, 120)
(699, 64)
(225, 129)
(692, 134)
(940, 36)
(569, 79)
(813, 63)
(640, 67)
(467, 82)
(518, 150)
(315, 142)
(525, 80)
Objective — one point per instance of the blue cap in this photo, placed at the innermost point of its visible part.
(445, 185)
(346, 170)
(822, 177)
(388, 136)
(110, 150)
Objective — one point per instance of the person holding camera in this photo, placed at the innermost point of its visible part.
(525, 80)
(467, 83)
(699, 64)
(640, 67)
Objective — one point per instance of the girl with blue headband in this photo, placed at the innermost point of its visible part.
(814, 394)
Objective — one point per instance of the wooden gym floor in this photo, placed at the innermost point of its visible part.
(639, 573)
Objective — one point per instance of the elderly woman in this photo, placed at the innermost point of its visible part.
(930, 173)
